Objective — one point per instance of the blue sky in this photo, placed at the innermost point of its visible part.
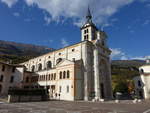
(56, 23)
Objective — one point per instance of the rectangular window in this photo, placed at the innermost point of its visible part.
(60, 89)
(54, 76)
(87, 37)
(139, 83)
(3, 68)
(12, 79)
(84, 37)
(1, 78)
(84, 31)
(67, 89)
(87, 30)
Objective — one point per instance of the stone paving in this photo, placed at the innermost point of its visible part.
(75, 107)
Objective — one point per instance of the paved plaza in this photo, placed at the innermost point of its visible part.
(75, 107)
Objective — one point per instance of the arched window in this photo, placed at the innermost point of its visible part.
(44, 77)
(51, 76)
(54, 76)
(58, 60)
(33, 68)
(60, 75)
(49, 65)
(68, 74)
(64, 74)
(40, 67)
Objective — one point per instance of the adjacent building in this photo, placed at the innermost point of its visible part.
(16, 76)
(142, 82)
(10, 76)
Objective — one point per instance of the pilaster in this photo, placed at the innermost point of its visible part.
(96, 74)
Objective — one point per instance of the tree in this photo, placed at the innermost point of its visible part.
(121, 87)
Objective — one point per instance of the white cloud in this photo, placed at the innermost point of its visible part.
(131, 31)
(101, 9)
(76, 9)
(47, 20)
(146, 22)
(79, 23)
(124, 58)
(148, 5)
(64, 42)
(117, 53)
(9, 2)
(48, 41)
(109, 23)
(141, 58)
(29, 19)
(16, 14)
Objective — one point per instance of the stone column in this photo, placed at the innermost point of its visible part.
(96, 74)
(86, 72)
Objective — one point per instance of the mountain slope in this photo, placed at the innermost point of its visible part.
(19, 52)
(128, 63)
(123, 72)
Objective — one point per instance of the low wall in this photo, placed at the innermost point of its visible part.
(24, 98)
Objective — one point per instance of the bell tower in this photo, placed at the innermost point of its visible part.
(88, 30)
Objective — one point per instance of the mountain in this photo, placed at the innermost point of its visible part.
(126, 68)
(123, 72)
(128, 63)
(19, 52)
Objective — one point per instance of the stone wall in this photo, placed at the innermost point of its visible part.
(25, 98)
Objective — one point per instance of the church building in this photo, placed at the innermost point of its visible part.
(77, 72)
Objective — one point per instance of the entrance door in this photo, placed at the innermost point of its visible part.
(102, 91)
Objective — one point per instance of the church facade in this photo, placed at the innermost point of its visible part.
(78, 72)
